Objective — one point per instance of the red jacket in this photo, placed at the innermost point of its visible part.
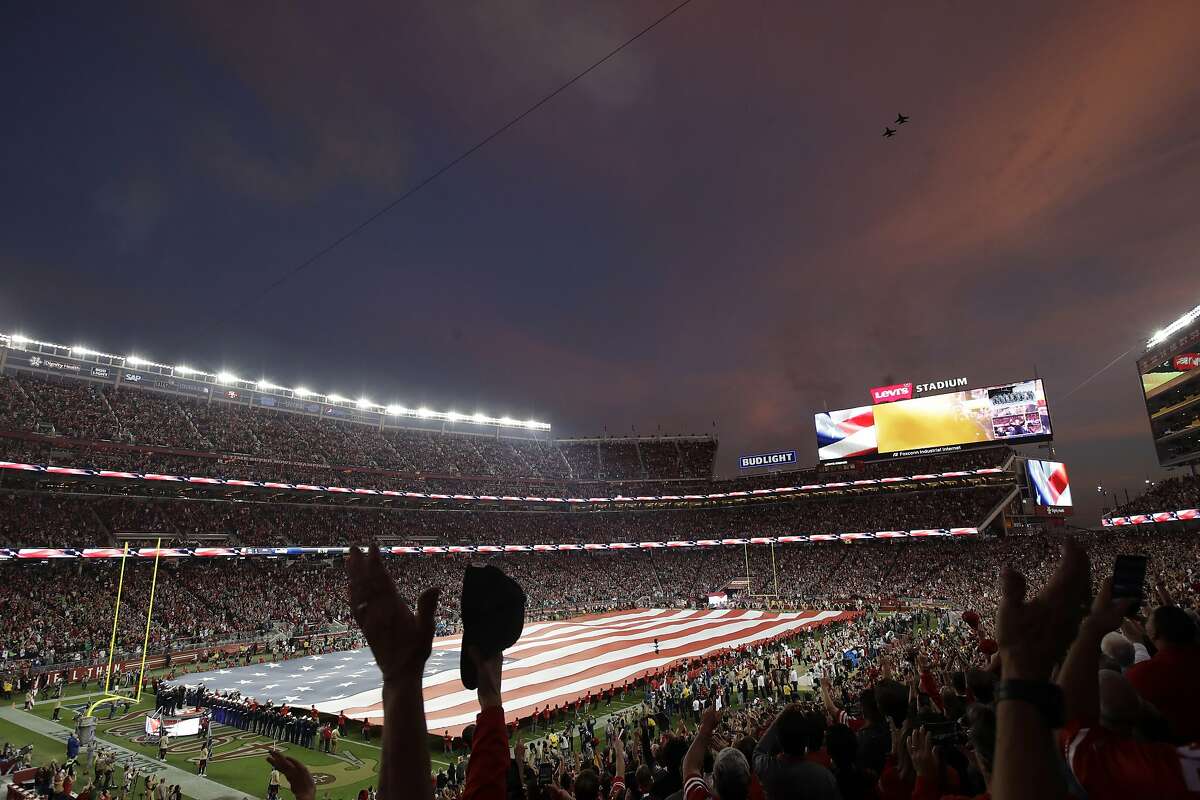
(1108, 765)
(487, 771)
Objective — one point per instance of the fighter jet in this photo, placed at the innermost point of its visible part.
(888, 133)
(901, 119)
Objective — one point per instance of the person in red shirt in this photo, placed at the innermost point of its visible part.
(447, 742)
(1168, 680)
(341, 723)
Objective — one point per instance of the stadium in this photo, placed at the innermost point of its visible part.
(202, 523)
(314, 322)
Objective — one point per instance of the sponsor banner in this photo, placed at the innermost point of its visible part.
(166, 383)
(776, 459)
(63, 364)
(1186, 361)
(1014, 412)
(287, 403)
(890, 394)
(103, 373)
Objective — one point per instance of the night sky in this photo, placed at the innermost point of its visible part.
(708, 227)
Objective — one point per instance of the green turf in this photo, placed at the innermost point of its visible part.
(45, 749)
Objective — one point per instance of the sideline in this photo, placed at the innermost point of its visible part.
(193, 786)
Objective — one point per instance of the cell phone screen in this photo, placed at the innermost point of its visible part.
(1129, 577)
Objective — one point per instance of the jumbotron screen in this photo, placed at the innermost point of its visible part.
(1049, 483)
(1012, 412)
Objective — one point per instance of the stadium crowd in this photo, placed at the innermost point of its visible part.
(88, 411)
(62, 613)
(1172, 494)
(1062, 692)
(38, 519)
(74, 423)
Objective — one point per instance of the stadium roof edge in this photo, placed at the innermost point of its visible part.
(1162, 334)
(20, 342)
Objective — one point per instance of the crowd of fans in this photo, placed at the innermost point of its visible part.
(39, 519)
(1070, 689)
(75, 423)
(89, 411)
(1172, 494)
(62, 613)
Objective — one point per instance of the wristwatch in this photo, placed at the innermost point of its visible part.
(1046, 697)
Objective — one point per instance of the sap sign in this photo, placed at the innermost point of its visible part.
(890, 394)
(767, 460)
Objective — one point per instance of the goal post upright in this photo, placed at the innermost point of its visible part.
(141, 680)
(109, 694)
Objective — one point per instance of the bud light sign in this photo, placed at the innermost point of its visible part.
(768, 460)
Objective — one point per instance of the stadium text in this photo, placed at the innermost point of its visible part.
(937, 386)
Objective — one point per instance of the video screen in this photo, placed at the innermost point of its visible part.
(1014, 412)
(1048, 480)
(1158, 375)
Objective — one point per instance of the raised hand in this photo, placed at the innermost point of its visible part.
(299, 779)
(1107, 614)
(920, 749)
(400, 640)
(1034, 634)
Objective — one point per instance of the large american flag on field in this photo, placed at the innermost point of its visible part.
(553, 663)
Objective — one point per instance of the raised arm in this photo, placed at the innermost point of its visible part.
(1033, 635)
(488, 770)
(1081, 689)
(831, 708)
(401, 642)
(693, 762)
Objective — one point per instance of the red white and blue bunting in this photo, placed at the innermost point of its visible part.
(1183, 515)
(45, 553)
(194, 480)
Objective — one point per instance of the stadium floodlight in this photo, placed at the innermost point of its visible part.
(227, 378)
(1162, 334)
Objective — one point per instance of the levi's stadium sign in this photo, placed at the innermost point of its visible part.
(768, 460)
(907, 391)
